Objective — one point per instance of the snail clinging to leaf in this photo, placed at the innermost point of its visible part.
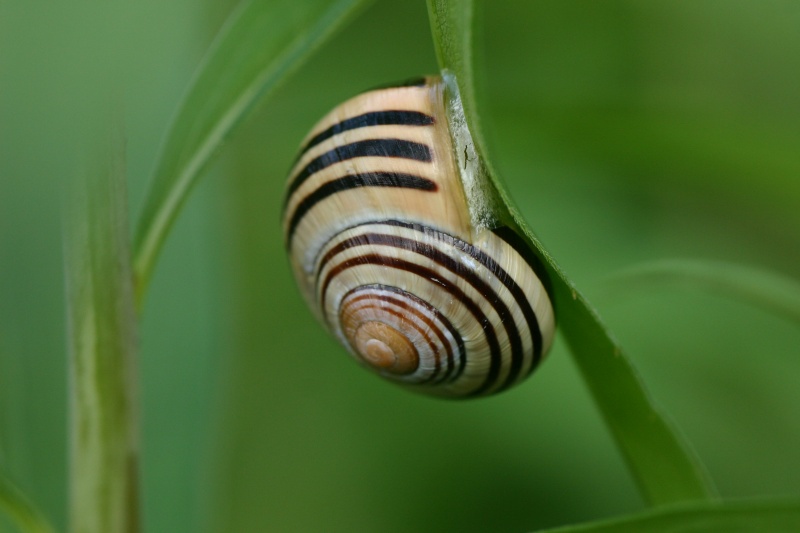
(396, 259)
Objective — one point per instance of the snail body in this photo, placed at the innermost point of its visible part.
(386, 251)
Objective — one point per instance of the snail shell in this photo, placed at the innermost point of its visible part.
(378, 228)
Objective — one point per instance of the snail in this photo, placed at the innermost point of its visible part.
(394, 259)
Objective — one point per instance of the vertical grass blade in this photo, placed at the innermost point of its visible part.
(102, 341)
(261, 44)
(20, 510)
(662, 463)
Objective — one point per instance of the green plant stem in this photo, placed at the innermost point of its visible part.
(660, 460)
(104, 424)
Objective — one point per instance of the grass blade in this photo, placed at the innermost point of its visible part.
(771, 292)
(662, 463)
(262, 42)
(22, 512)
(102, 339)
(776, 517)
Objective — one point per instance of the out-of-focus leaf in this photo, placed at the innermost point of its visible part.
(663, 464)
(260, 45)
(770, 291)
(104, 431)
(775, 517)
(697, 148)
(22, 512)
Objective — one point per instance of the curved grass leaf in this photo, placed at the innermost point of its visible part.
(772, 292)
(775, 517)
(104, 431)
(20, 510)
(662, 463)
(262, 42)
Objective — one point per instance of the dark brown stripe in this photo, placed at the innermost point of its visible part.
(368, 148)
(355, 181)
(516, 291)
(495, 362)
(462, 351)
(372, 305)
(524, 250)
(423, 318)
(388, 117)
(460, 270)
(432, 326)
(519, 295)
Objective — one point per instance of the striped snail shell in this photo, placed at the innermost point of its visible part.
(386, 251)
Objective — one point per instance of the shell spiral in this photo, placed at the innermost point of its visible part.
(378, 230)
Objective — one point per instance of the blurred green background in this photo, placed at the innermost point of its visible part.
(627, 131)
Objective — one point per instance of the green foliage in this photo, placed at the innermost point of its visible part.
(15, 505)
(776, 517)
(772, 292)
(625, 132)
(662, 463)
(261, 44)
(104, 425)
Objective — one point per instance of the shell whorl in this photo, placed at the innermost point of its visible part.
(379, 235)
